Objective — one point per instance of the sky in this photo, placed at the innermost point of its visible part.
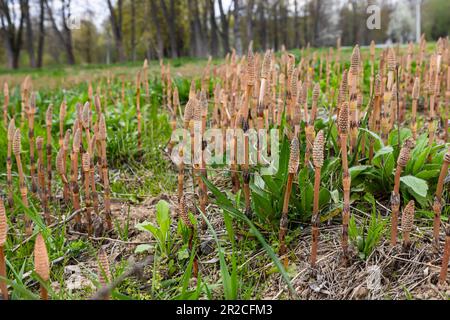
(101, 12)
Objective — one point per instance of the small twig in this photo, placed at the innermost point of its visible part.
(109, 239)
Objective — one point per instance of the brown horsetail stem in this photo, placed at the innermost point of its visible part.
(11, 131)
(197, 126)
(294, 159)
(138, 110)
(74, 175)
(48, 123)
(415, 97)
(61, 168)
(265, 71)
(41, 264)
(94, 193)
(438, 201)
(343, 123)
(402, 161)
(22, 185)
(376, 113)
(62, 116)
(5, 103)
(86, 167)
(3, 235)
(445, 257)
(31, 111)
(102, 136)
(407, 223)
(318, 157)
(103, 270)
(245, 110)
(41, 179)
(447, 106)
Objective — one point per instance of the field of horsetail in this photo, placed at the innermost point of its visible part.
(303, 174)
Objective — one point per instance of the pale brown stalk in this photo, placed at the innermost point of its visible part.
(145, 71)
(372, 65)
(318, 157)
(447, 106)
(11, 131)
(376, 113)
(102, 136)
(60, 167)
(62, 116)
(138, 111)
(22, 185)
(31, 111)
(402, 161)
(74, 176)
(48, 122)
(63, 167)
(261, 107)
(91, 151)
(250, 72)
(438, 201)
(343, 123)
(445, 257)
(415, 97)
(294, 159)
(86, 167)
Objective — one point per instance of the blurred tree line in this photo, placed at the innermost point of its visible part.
(37, 33)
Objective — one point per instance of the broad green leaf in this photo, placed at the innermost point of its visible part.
(428, 174)
(356, 170)
(417, 185)
(420, 160)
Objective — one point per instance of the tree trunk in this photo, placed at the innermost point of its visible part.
(225, 25)
(214, 43)
(157, 24)
(249, 21)
(133, 30)
(65, 36)
(116, 26)
(29, 38)
(11, 35)
(170, 20)
(237, 28)
(275, 26)
(40, 52)
(284, 23)
(263, 25)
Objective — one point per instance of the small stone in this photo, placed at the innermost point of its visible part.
(360, 292)
(206, 247)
